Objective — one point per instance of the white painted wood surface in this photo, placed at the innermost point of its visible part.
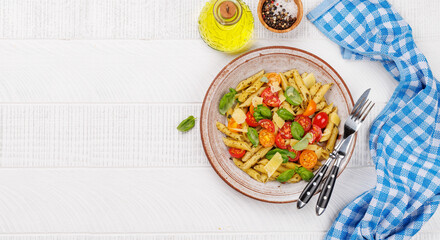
(90, 94)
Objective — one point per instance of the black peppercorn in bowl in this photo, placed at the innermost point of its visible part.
(280, 16)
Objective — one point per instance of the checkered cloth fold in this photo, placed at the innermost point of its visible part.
(405, 137)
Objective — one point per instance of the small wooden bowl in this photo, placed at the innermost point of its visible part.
(296, 23)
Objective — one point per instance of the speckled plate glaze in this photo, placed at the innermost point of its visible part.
(271, 59)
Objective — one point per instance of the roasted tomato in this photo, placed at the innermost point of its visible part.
(297, 153)
(267, 138)
(250, 120)
(305, 122)
(317, 134)
(321, 120)
(311, 108)
(233, 125)
(237, 153)
(280, 141)
(308, 159)
(267, 124)
(285, 131)
(274, 78)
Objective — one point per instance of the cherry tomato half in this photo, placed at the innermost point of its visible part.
(237, 153)
(233, 125)
(280, 141)
(270, 98)
(250, 120)
(308, 159)
(311, 108)
(304, 121)
(285, 131)
(267, 124)
(321, 120)
(274, 78)
(297, 153)
(316, 132)
(267, 93)
(272, 101)
(267, 138)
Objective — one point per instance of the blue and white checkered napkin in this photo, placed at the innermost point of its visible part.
(405, 138)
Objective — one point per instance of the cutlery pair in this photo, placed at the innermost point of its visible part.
(351, 126)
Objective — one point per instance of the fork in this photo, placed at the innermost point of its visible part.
(352, 124)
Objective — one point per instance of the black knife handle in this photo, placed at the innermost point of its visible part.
(312, 186)
(327, 189)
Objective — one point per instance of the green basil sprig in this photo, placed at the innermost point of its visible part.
(297, 130)
(285, 115)
(292, 96)
(285, 154)
(304, 173)
(264, 79)
(286, 175)
(262, 112)
(253, 136)
(187, 124)
(227, 101)
(303, 143)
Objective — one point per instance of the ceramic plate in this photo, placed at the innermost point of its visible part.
(271, 59)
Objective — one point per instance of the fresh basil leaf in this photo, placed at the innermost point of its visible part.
(187, 124)
(264, 79)
(303, 143)
(286, 175)
(285, 154)
(297, 130)
(253, 136)
(257, 116)
(264, 111)
(304, 173)
(292, 96)
(285, 115)
(227, 101)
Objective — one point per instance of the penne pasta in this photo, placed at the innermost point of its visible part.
(274, 176)
(332, 140)
(302, 87)
(332, 123)
(237, 144)
(222, 128)
(248, 91)
(296, 178)
(289, 73)
(304, 75)
(328, 109)
(321, 105)
(254, 174)
(263, 177)
(314, 89)
(237, 162)
(291, 165)
(321, 92)
(284, 83)
(263, 161)
(248, 101)
(250, 153)
(282, 169)
(249, 81)
(254, 159)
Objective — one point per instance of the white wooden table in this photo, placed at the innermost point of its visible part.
(90, 94)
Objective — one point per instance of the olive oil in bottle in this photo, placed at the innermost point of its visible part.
(226, 25)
